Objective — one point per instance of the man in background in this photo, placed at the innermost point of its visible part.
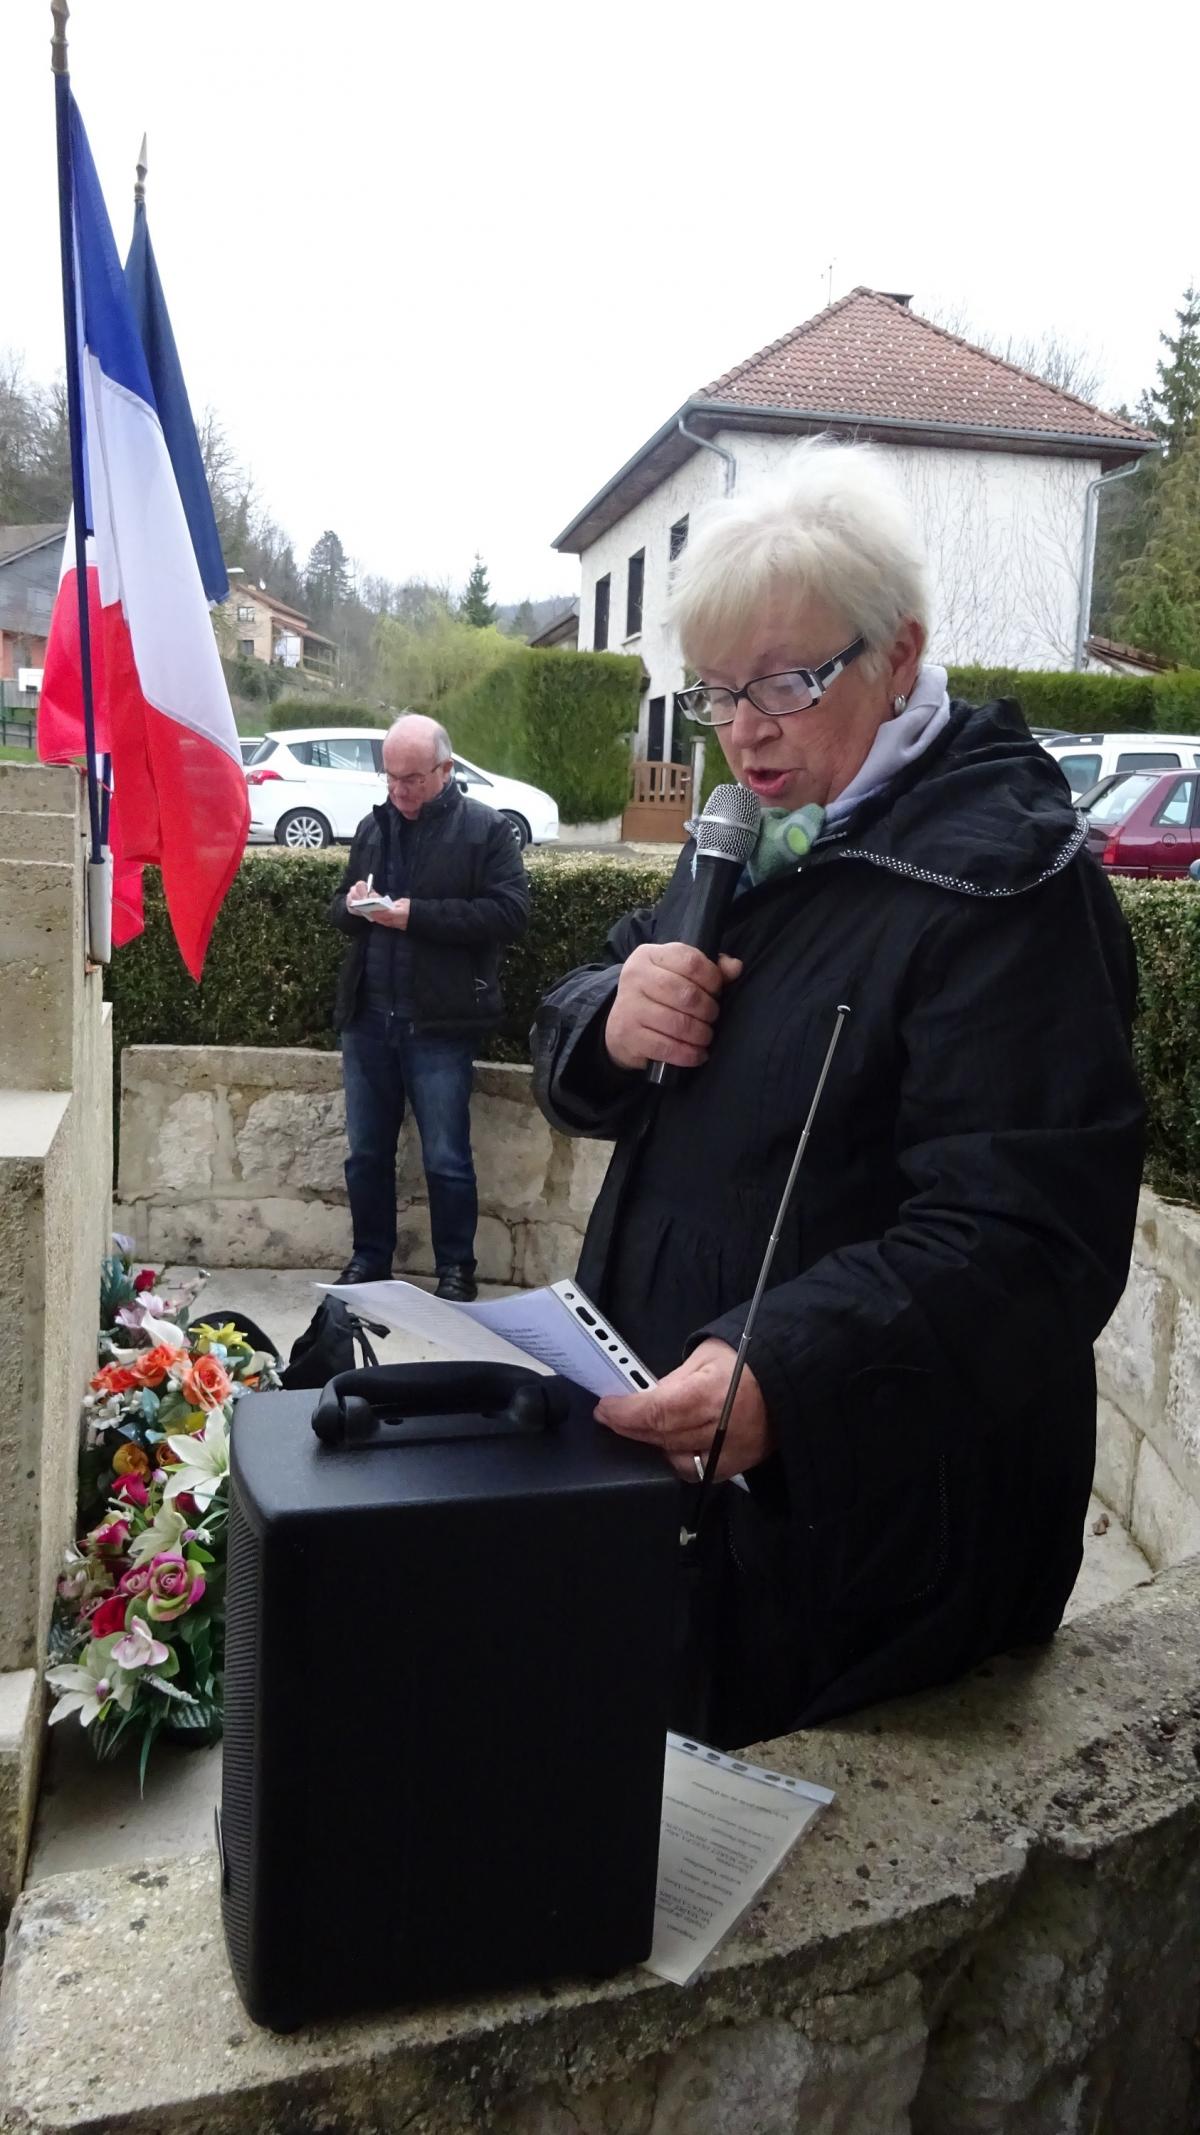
(433, 886)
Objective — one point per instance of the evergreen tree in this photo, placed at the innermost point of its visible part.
(1175, 401)
(326, 577)
(1159, 592)
(524, 622)
(476, 605)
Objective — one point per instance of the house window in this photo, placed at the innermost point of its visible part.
(246, 615)
(600, 631)
(633, 595)
(246, 648)
(679, 537)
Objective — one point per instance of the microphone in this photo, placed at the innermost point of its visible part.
(726, 835)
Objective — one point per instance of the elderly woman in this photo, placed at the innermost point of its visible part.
(915, 1428)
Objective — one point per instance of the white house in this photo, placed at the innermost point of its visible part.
(997, 464)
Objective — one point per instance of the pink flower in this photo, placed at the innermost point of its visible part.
(140, 1649)
(135, 1581)
(109, 1539)
(175, 1586)
(132, 1489)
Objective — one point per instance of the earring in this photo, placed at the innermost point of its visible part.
(898, 703)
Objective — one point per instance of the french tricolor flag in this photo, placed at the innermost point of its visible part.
(162, 710)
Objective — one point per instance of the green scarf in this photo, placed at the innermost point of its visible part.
(786, 837)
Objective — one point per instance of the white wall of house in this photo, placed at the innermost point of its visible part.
(1004, 532)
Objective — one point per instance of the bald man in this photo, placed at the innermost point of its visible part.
(419, 987)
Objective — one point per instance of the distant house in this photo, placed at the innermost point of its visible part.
(562, 630)
(30, 564)
(262, 627)
(996, 462)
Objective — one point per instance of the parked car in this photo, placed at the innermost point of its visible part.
(1145, 822)
(1084, 759)
(249, 744)
(312, 786)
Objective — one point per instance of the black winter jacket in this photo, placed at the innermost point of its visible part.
(960, 1232)
(469, 894)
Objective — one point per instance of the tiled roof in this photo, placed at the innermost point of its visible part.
(868, 356)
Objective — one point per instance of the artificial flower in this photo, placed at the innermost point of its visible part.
(162, 1534)
(145, 1280)
(152, 1365)
(134, 1581)
(205, 1383)
(131, 1490)
(203, 1462)
(131, 1459)
(175, 1585)
(89, 1686)
(109, 1539)
(228, 1336)
(140, 1649)
(114, 1379)
(168, 1333)
(110, 1615)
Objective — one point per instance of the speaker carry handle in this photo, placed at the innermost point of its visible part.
(371, 1407)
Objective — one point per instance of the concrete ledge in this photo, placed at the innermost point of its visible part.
(20, 1745)
(997, 1927)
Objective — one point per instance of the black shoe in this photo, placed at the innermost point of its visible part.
(457, 1285)
(359, 1268)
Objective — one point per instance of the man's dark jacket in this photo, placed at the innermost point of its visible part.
(960, 1232)
(469, 894)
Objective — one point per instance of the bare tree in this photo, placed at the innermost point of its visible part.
(1048, 355)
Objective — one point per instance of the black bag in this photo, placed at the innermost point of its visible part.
(326, 1346)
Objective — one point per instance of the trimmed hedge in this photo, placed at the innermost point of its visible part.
(1087, 704)
(561, 720)
(1165, 918)
(324, 711)
(272, 970)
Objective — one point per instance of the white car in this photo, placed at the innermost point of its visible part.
(1084, 759)
(312, 786)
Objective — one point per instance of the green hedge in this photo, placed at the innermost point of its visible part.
(1086, 704)
(272, 971)
(562, 720)
(1165, 918)
(323, 711)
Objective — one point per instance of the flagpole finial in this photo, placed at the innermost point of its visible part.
(139, 190)
(58, 43)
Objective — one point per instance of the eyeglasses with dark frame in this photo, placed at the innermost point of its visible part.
(776, 696)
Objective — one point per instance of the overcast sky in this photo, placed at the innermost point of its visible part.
(441, 271)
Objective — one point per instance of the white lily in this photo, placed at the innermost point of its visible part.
(87, 1688)
(203, 1461)
(162, 1535)
(166, 1332)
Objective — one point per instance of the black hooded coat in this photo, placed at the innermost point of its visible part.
(960, 1232)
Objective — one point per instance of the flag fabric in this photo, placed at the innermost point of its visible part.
(170, 398)
(162, 708)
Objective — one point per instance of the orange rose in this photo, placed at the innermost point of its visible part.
(114, 1379)
(152, 1368)
(131, 1460)
(206, 1384)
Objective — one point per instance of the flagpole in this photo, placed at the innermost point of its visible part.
(99, 867)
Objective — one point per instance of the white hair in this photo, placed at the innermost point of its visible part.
(829, 524)
(437, 734)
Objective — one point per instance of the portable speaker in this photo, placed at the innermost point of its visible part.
(448, 1650)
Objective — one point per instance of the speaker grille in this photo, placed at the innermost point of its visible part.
(242, 1638)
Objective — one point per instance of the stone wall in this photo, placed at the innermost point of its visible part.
(993, 1930)
(1148, 1377)
(232, 1156)
(55, 1191)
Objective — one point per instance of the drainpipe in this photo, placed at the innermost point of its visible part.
(708, 445)
(1090, 513)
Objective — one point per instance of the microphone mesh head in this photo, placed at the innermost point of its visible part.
(728, 828)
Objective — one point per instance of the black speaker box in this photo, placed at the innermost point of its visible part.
(449, 1629)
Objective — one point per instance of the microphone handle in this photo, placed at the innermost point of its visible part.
(712, 894)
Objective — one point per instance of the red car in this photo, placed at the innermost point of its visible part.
(1144, 822)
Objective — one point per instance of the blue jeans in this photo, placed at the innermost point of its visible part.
(384, 1061)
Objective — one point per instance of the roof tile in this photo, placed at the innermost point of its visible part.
(869, 356)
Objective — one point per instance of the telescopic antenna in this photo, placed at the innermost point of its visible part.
(688, 1534)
